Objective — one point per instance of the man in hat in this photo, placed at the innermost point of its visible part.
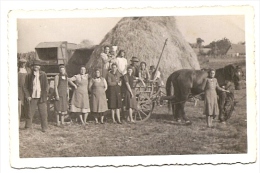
(36, 90)
(135, 66)
(22, 72)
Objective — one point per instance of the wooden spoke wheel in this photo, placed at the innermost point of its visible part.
(228, 106)
(145, 107)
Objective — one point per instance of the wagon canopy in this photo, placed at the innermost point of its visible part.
(52, 53)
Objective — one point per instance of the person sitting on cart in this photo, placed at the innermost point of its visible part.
(143, 72)
(61, 95)
(130, 98)
(156, 77)
(135, 66)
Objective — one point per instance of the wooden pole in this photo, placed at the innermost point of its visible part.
(157, 66)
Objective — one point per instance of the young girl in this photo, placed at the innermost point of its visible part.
(211, 109)
(143, 72)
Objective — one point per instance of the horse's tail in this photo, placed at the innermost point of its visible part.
(169, 87)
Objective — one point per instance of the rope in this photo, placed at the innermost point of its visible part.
(189, 97)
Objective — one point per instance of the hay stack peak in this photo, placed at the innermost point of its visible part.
(144, 37)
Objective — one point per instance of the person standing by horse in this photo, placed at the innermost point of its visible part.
(211, 109)
(36, 90)
(61, 95)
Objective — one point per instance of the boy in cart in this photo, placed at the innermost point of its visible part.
(156, 77)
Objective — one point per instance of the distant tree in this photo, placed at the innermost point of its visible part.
(220, 47)
(86, 43)
(199, 42)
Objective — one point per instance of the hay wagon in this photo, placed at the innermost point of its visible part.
(147, 97)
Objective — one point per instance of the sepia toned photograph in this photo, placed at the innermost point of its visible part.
(132, 86)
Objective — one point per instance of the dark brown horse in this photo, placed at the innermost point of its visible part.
(187, 82)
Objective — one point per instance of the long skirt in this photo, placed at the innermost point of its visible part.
(61, 105)
(128, 101)
(114, 97)
(211, 103)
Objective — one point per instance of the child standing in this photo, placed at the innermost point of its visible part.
(211, 109)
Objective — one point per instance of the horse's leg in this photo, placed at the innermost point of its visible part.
(173, 112)
(184, 97)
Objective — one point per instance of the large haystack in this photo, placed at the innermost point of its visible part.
(144, 37)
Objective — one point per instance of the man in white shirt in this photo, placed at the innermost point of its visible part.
(36, 91)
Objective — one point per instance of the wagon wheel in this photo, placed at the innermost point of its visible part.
(229, 106)
(144, 108)
(50, 102)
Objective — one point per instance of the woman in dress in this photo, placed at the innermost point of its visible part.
(130, 100)
(98, 100)
(114, 92)
(22, 72)
(121, 62)
(80, 97)
(211, 109)
(61, 95)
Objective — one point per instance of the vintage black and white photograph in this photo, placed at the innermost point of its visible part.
(166, 85)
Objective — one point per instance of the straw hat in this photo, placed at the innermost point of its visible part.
(135, 59)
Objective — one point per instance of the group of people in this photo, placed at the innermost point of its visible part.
(97, 93)
(108, 86)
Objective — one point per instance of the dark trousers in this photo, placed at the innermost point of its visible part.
(42, 107)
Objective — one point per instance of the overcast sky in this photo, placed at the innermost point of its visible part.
(209, 28)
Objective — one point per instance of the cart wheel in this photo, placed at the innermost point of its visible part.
(144, 109)
(229, 106)
(50, 108)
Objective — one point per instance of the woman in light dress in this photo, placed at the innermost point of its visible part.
(98, 100)
(211, 109)
(80, 97)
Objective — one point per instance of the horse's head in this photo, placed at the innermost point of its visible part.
(234, 74)
(238, 77)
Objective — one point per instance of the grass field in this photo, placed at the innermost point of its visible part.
(157, 136)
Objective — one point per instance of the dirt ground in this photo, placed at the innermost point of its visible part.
(157, 136)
